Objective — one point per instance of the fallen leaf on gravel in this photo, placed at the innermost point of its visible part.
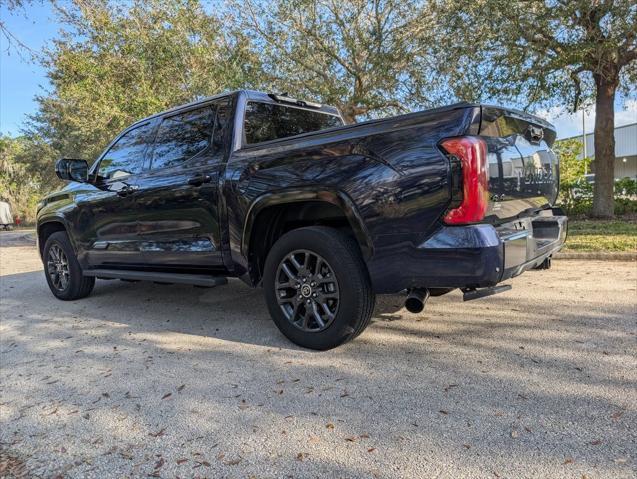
(447, 388)
(181, 461)
(159, 463)
(596, 442)
(167, 395)
(442, 411)
(159, 433)
(466, 446)
(329, 425)
(371, 449)
(301, 455)
(364, 436)
(181, 388)
(568, 460)
(617, 414)
(351, 439)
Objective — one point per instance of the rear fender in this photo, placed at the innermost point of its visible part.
(335, 197)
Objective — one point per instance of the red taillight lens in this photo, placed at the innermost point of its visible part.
(472, 153)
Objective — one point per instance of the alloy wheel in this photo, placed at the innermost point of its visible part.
(307, 290)
(58, 268)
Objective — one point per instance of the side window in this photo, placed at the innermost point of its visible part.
(182, 137)
(126, 156)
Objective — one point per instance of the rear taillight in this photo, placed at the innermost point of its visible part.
(472, 155)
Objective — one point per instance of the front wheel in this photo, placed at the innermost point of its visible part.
(317, 287)
(63, 271)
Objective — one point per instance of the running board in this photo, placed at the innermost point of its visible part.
(194, 279)
(470, 294)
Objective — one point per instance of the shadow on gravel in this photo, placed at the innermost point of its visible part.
(504, 378)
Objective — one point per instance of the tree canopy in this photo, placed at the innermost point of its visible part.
(115, 64)
(367, 58)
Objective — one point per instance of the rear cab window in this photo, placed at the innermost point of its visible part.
(183, 137)
(270, 121)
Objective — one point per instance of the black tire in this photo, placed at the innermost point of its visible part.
(76, 285)
(355, 296)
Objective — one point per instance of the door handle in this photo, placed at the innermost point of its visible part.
(199, 179)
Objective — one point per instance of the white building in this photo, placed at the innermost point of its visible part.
(625, 150)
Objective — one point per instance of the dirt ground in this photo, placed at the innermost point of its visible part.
(146, 380)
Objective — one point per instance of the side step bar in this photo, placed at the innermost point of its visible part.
(194, 279)
(472, 293)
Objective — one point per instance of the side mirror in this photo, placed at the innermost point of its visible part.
(72, 170)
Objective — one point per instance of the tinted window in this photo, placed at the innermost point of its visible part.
(181, 137)
(126, 156)
(268, 121)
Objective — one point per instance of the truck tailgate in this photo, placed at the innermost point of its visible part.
(523, 169)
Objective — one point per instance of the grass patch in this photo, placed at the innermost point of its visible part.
(599, 235)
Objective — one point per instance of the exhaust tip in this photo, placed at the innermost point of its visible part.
(416, 300)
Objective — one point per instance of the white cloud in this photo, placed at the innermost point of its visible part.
(570, 124)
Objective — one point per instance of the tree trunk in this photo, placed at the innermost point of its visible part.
(603, 202)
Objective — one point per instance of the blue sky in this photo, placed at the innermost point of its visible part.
(20, 79)
(36, 26)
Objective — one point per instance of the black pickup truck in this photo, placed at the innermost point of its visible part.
(282, 194)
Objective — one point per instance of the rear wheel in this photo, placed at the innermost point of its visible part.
(62, 270)
(317, 287)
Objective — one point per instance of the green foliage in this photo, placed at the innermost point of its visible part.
(118, 62)
(626, 187)
(21, 180)
(536, 51)
(576, 193)
(367, 58)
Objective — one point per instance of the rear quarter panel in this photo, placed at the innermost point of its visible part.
(392, 170)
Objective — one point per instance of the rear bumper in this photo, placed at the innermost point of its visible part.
(473, 256)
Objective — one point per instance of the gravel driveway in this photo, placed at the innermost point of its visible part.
(173, 381)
